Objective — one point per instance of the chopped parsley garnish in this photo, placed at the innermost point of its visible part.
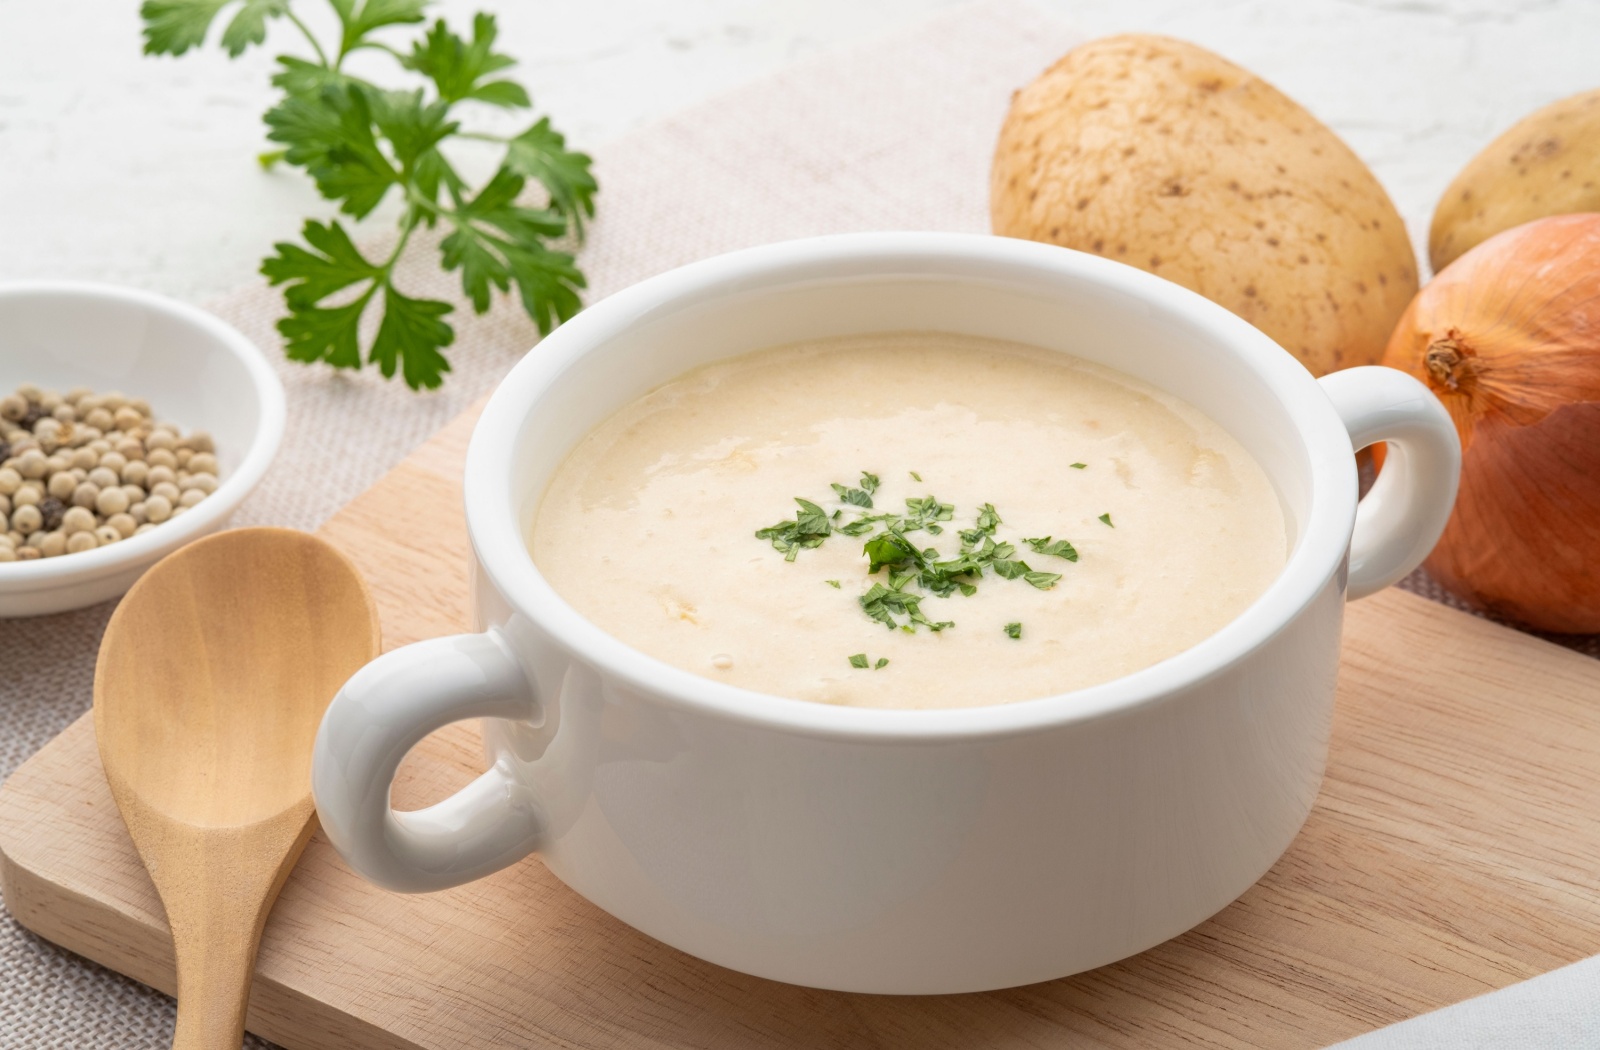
(890, 548)
(915, 476)
(859, 660)
(1079, 466)
(883, 661)
(1106, 517)
(808, 529)
(1058, 548)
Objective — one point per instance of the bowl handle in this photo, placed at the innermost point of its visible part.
(1405, 512)
(380, 714)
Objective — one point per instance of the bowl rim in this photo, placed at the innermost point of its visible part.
(492, 516)
(43, 574)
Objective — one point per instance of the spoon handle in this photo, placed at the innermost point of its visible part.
(217, 900)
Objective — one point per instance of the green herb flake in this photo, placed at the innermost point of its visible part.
(1106, 518)
(808, 529)
(1042, 580)
(1056, 548)
(1079, 466)
(916, 477)
(859, 660)
(1013, 630)
(869, 482)
(835, 584)
(883, 661)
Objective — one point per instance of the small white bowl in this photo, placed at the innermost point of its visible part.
(194, 370)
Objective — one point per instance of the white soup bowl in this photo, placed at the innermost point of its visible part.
(878, 850)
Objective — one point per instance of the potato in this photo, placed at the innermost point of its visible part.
(1547, 164)
(1159, 154)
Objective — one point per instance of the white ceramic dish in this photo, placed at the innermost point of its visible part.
(884, 850)
(192, 368)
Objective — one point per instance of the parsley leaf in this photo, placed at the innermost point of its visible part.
(411, 336)
(808, 529)
(541, 153)
(1058, 548)
(835, 584)
(331, 135)
(461, 69)
(887, 548)
(1078, 466)
(172, 27)
(883, 661)
(1106, 517)
(856, 497)
(859, 660)
(1013, 630)
(1042, 580)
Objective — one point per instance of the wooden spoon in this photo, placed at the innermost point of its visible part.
(212, 679)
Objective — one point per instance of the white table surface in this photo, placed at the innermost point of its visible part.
(139, 170)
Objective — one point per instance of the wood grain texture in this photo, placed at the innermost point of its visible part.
(1453, 851)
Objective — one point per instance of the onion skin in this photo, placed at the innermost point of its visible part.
(1508, 337)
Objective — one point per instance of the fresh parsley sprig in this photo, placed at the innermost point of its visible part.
(362, 143)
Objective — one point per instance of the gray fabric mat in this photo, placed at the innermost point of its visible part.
(905, 127)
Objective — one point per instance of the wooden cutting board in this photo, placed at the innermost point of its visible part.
(1454, 850)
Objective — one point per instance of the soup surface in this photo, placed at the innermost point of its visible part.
(978, 459)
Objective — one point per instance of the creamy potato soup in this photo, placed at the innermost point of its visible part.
(909, 520)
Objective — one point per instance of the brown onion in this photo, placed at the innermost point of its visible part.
(1508, 337)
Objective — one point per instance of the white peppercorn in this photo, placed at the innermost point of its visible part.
(32, 464)
(136, 472)
(57, 463)
(84, 459)
(130, 449)
(62, 485)
(191, 496)
(85, 494)
(123, 523)
(27, 495)
(106, 535)
(142, 529)
(167, 490)
(203, 463)
(127, 418)
(162, 439)
(199, 440)
(64, 412)
(111, 501)
(114, 461)
(79, 542)
(99, 446)
(136, 512)
(184, 456)
(10, 480)
(158, 475)
(35, 538)
(13, 407)
(27, 518)
(162, 457)
(76, 394)
(135, 493)
(77, 519)
(206, 483)
(100, 419)
(179, 511)
(157, 509)
(104, 477)
(54, 544)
